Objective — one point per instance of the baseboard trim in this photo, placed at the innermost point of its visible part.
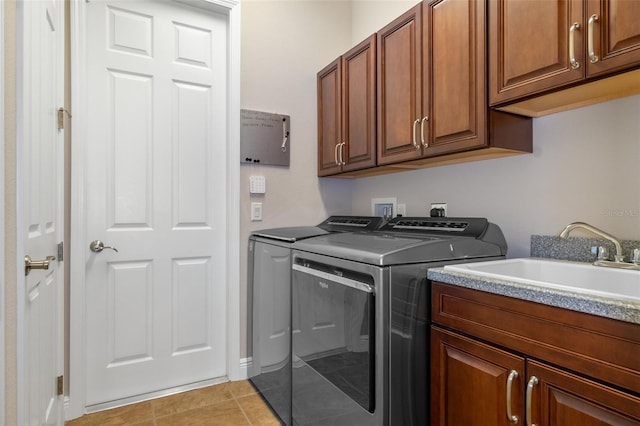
(154, 395)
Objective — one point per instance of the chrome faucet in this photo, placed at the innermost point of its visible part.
(618, 256)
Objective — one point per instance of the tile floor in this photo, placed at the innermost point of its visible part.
(228, 404)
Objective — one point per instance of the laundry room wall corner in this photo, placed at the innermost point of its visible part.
(284, 45)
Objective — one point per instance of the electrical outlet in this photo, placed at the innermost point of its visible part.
(438, 210)
(402, 209)
(384, 207)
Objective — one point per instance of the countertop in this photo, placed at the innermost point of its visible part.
(619, 309)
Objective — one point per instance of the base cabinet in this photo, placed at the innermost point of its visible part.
(469, 382)
(496, 360)
(477, 384)
(561, 398)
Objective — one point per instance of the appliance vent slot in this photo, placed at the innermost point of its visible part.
(361, 223)
(431, 225)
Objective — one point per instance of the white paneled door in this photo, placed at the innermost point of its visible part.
(40, 149)
(155, 194)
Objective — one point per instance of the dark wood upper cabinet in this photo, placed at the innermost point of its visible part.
(329, 118)
(347, 111)
(431, 97)
(432, 85)
(454, 77)
(616, 35)
(359, 106)
(400, 88)
(457, 80)
(539, 46)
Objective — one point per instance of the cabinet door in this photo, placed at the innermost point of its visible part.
(560, 398)
(613, 30)
(359, 106)
(329, 118)
(469, 382)
(529, 46)
(454, 85)
(399, 88)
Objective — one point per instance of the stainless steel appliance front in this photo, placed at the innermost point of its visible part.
(340, 318)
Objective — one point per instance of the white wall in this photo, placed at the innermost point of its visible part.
(284, 44)
(585, 166)
(369, 16)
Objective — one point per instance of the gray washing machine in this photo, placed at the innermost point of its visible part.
(269, 303)
(360, 317)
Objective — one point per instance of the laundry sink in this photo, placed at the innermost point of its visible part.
(576, 277)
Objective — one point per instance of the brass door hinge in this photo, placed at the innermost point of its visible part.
(60, 385)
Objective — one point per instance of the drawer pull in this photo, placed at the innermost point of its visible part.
(512, 375)
(425, 144)
(415, 143)
(341, 154)
(592, 54)
(572, 47)
(532, 382)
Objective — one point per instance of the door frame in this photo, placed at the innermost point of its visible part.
(22, 105)
(75, 400)
(3, 277)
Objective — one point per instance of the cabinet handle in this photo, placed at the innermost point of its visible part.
(572, 48)
(415, 143)
(335, 154)
(532, 382)
(342, 145)
(425, 144)
(592, 54)
(285, 135)
(512, 375)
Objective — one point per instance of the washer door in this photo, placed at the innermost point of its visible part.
(333, 339)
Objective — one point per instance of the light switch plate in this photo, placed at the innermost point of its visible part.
(256, 212)
(257, 184)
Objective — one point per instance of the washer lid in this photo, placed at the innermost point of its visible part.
(329, 225)
(290, 234)
(384, 249)
(413, 240)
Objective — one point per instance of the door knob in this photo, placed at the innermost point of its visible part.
(97, 246)
(30, 264)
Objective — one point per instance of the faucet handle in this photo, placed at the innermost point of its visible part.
(601, 252)
(635, 256)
